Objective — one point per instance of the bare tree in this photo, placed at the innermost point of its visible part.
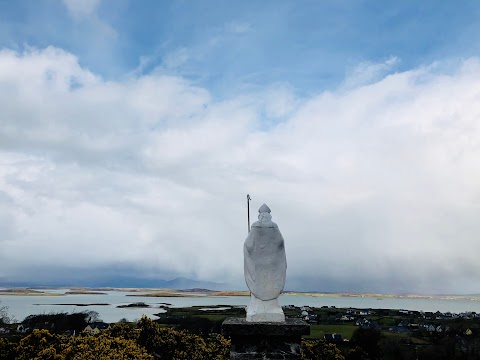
(92, 316)
(4, 318)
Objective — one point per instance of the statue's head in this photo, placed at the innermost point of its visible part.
(264, 208)
(264, 213)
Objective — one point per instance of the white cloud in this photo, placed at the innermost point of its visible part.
(238, 27)
(368, 72)
(98, 40)
(280, 101)
(82, 8)
(176, 58)
(376, 185)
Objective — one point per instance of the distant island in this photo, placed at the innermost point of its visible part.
(194, 292)
(84, 292)
(134, 305)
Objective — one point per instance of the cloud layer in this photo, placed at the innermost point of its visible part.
(374, 185)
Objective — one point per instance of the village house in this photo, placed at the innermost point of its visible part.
(97, 327)
(400, 330)
(362, 322)
(347, 318)
(22, 329)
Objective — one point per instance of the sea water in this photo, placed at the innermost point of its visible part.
(21, 306)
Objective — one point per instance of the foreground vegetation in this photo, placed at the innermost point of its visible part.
(194, 333)
(145, 340)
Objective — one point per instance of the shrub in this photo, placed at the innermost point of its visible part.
(320, 350)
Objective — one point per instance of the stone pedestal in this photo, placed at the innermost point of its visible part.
(264, 311)
(265, 340)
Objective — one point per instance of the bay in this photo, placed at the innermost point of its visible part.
(20, 306)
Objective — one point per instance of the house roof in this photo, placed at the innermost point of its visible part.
(99, 325)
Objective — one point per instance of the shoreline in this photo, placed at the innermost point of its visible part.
(151, 292)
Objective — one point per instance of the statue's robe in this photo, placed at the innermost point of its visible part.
(265, 263)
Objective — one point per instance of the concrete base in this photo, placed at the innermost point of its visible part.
(265, 340)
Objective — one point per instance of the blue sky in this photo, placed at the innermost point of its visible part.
(131, 131)
(226, 46)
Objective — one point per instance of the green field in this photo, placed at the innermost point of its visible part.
(318, 331)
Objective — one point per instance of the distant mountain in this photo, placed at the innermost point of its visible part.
(121, 282)
(184, 283)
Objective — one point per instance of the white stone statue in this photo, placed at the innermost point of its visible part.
(265, 269)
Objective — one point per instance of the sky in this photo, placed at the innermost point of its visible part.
(131, 132)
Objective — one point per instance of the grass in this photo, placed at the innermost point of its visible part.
(291, 312)
(195, 312)
(318, 331)
(410, 339)
(212, 317)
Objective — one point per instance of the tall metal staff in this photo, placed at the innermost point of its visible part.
(248, 210)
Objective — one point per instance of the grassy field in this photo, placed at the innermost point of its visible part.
(407, 338)
(212, 317)
(318, 331)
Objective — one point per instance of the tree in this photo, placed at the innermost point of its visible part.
(4, 318)
(124, 331)
(368, 340)
(58, 322)
(357, 354)
(91, 316)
